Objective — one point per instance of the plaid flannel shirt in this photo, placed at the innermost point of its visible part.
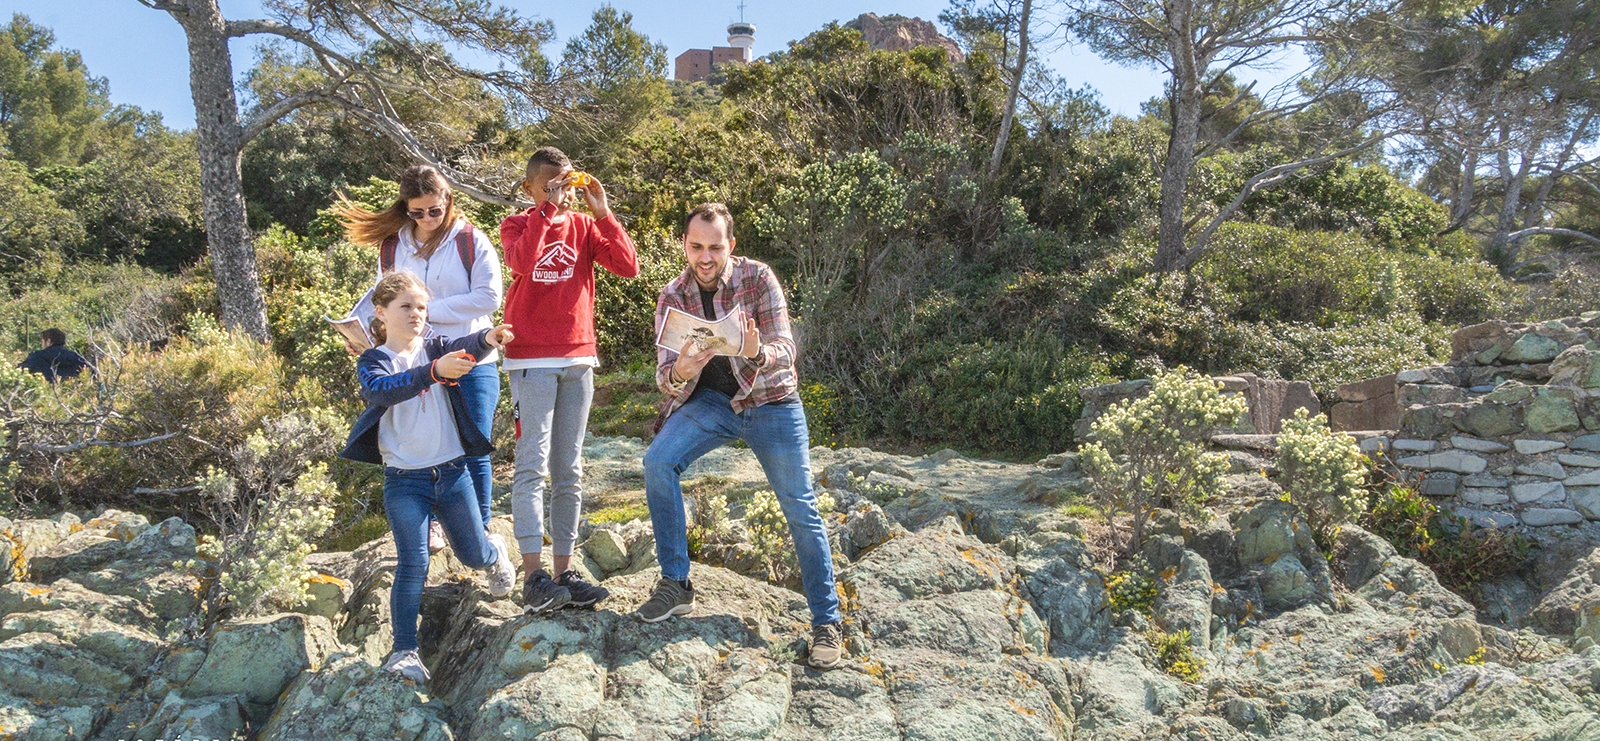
(749, 285)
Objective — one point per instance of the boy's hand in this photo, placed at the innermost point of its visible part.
(454, 365)
(594, 194)
(499, 336)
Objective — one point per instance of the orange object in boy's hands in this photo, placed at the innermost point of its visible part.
(580, 179)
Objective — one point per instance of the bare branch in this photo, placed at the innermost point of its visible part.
(86, 444)
(1264, 179)
(284, 106)
(1551, 231)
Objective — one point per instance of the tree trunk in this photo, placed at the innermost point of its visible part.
(1172, 234)
(217, 137)
(1011, 98)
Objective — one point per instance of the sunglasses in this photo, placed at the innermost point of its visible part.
(432, 213)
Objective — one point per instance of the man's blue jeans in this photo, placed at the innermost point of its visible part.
(409, 497)
(481, 388)
(777, 434)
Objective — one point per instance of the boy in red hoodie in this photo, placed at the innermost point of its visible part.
(551, 251)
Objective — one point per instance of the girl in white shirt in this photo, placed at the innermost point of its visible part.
(424, 234)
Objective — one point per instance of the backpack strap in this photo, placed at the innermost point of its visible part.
(386, 253)
(467, 248)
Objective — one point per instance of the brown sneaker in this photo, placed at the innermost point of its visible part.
(827, 646)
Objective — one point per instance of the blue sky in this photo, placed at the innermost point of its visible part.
(141, 51)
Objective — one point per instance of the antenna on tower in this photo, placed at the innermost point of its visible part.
(741, 11)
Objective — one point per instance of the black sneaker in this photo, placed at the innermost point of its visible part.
(540, 594)
(670, 598)
(583, 593)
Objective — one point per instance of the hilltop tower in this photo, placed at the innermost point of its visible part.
(694, 65)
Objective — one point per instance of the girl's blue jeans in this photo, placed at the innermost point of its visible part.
(410, 496)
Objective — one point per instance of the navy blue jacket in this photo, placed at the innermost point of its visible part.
(382, 388)
(54, 362)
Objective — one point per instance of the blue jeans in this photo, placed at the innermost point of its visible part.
(410, 496)
(481, 388)
(777, 434)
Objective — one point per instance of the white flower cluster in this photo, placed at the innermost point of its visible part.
(1322, 472)
(769, 531)
(1150, 452)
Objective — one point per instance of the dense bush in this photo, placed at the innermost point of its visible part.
(1322, 472)
(1150, 453)
(1462, 554)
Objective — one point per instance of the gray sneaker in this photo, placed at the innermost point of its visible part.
(501, 574)
(669, 599)
(407, 664)
(827, 646)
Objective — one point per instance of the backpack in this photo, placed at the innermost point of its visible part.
(466, 247)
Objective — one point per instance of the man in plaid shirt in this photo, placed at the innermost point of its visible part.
(713, 400)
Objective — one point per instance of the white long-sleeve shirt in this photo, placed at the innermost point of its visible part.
(461, 303)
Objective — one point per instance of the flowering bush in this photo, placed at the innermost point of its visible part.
(1322, 472)
(769, 532)
(1150, 452)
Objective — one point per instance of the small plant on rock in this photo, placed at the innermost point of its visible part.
(1132, 588)
(1323, 473)
(1174, 655)
(1150, 452)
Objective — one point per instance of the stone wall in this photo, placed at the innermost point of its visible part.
(1271, 401)
(1509, 430)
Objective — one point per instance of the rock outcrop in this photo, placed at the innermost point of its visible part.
(974, 608)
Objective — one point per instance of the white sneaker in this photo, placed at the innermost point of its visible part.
(436, 541)
(502, 575)
(407, 664)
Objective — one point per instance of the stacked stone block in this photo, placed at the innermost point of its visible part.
(1509, 429)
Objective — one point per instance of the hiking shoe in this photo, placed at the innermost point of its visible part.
(827, 646)
(540, 594)
(436, 541)
(407, 664)
(583, 593)
(670, 598)
(502, 575)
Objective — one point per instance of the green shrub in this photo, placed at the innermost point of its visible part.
(625, 308)
(1175, 654)
(619, 513)
(1150, 452)
(1132, 587)
(1322, 472)
(769, 533)
(269, 503)
(1462, 554)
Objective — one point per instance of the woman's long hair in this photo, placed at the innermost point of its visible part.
(371, 228)
(384, 293)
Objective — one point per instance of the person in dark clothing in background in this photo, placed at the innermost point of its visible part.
(54, 361)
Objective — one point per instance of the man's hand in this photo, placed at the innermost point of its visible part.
(690, 363)
(454, 365)
(752, 340)
(594, 194)
(499, 336)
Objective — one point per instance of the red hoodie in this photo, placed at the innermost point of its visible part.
(551, 299)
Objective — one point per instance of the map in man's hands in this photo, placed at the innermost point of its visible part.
(725, 336)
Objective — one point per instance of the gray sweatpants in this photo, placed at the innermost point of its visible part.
(552, 413)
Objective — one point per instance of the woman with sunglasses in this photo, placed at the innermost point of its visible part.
(422, 233)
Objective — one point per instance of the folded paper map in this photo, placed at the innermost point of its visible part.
(353, 329)
(725, 336)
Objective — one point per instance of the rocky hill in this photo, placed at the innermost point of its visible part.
(975, 610)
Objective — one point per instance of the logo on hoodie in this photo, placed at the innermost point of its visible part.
(556, 264)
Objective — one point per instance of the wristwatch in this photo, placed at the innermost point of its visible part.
(675, 387)
(761, 357)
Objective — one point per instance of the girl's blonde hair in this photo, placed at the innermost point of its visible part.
(372, 227)
(384, 293)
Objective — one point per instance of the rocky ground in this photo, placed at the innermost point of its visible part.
(975, 610)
